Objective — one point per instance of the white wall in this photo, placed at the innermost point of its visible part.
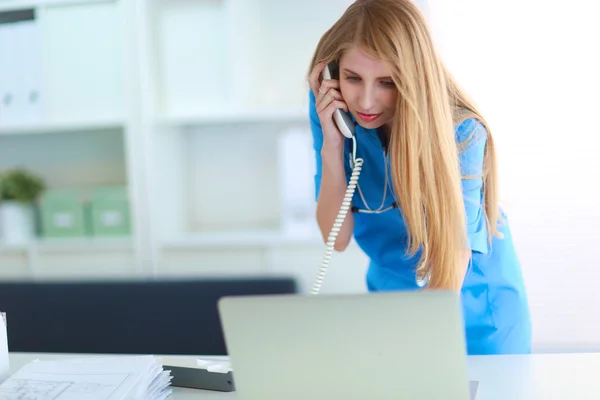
(534, 67)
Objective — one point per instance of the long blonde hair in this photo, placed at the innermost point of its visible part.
(424, 152)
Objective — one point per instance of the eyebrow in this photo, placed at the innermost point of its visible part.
(354, 73)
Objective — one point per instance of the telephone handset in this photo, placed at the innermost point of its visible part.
(342, 120)
(348, 129)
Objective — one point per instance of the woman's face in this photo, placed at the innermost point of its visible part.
(367, 88)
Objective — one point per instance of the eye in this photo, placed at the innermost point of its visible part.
(351, 78)
(388, 84)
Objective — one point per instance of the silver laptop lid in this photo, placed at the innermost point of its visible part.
(393, 345)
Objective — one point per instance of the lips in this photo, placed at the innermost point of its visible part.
(368, 117)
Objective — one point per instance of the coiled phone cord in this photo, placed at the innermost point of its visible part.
(337, 225)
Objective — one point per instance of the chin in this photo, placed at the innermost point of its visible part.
(371, 125)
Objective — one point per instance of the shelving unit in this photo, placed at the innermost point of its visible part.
(73, 245)
(257, 239)
(218, 123)
(14, 5)
(225, 118)
(189, 98)
(64, 127)
(77, 57)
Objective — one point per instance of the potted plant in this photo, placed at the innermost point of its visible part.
(19, 189)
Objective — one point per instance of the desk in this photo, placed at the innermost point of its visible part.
(533, 377)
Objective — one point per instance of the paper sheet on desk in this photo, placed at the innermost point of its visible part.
(95, 378)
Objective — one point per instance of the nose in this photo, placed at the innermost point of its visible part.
(366, 99)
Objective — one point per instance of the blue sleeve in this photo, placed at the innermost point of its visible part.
(471, 164)
(317, 133)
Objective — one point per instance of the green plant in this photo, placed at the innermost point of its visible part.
(20, 185)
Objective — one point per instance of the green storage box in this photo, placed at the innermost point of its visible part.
(110, 211)
(63, 213)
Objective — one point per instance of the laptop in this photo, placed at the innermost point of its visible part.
(385, 345)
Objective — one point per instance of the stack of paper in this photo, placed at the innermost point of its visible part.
(96, 378)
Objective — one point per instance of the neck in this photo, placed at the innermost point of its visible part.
(384, 136)
(386, 129)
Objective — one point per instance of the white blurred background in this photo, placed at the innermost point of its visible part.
(193, 115)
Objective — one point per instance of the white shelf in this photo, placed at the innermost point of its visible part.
(241, 239)
(14, 5)
(73, 245)
(61, 127)
(231, 117)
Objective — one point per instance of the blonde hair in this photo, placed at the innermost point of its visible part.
(424, 153)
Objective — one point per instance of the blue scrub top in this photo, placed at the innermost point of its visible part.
(494, 301)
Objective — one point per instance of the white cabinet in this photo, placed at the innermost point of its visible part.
(191, 55)
(83, 63)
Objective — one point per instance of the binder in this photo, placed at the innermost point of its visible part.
(31, 76)
(8, 74)
(21, 72)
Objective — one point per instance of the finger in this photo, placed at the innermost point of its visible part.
(326, 99)
(314, 76)
(330, 83)
(327, 85)
(334, 105)
(335, 94)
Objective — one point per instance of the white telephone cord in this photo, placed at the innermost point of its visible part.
(337, 225)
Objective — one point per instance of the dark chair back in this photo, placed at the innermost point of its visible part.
(124, 317)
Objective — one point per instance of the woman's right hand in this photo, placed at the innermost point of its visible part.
(328, 99)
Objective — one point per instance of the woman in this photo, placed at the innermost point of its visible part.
(426, 209)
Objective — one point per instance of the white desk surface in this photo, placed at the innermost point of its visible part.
(533, 377)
